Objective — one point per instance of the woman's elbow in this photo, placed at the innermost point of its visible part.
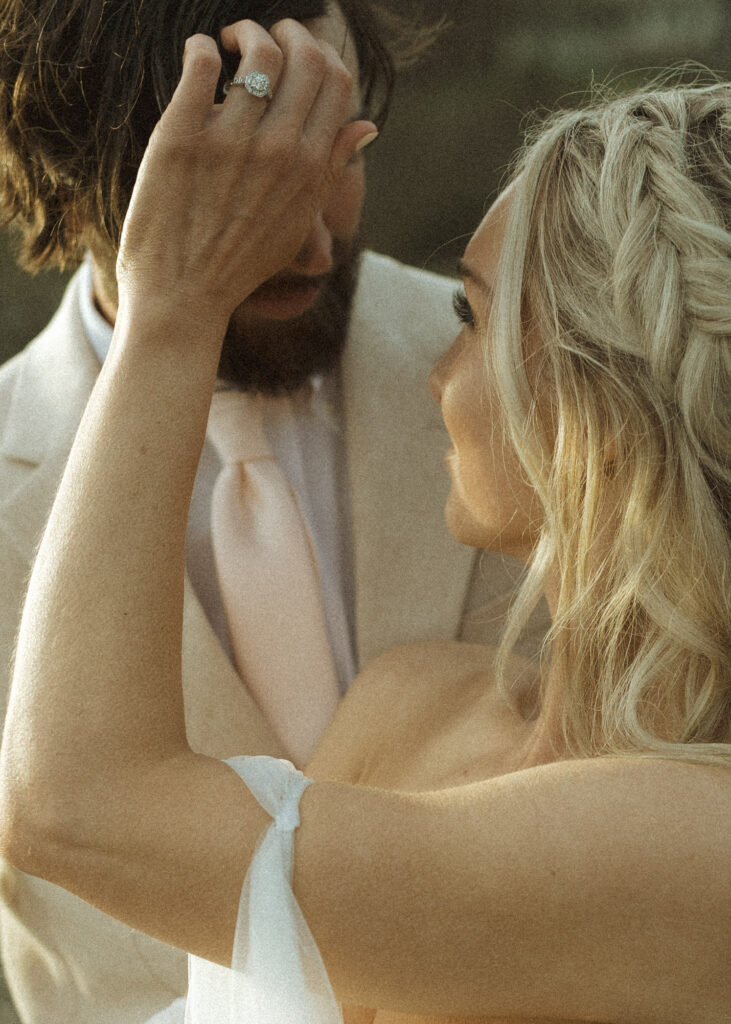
(24, 844)
(35, 828)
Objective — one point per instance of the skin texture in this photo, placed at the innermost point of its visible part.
(479, 877)
(200, 258)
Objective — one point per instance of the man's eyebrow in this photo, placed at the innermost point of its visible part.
(466, 271)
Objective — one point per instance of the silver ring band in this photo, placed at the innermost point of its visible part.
(256, 84)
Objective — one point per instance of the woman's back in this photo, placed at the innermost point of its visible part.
(426, 717)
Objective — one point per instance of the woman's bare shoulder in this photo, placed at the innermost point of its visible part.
(409, 680)
(420, 706)
(421, 664)
(391, 689)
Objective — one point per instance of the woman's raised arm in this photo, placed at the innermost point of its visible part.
(225, 197)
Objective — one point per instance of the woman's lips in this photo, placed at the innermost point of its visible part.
(284, 298)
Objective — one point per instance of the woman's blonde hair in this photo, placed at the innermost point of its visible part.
(618, 249)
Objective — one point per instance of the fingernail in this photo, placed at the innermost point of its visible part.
(366, 141)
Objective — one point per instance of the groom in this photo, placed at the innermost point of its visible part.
(338, 344)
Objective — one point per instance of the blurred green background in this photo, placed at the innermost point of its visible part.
(457, 117)
(457, 120)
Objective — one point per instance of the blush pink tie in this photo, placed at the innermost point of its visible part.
(269, 580)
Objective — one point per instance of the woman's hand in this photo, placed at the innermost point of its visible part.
(226, 193)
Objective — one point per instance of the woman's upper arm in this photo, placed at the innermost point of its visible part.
(590, 889)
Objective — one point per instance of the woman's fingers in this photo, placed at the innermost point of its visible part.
(305, 67)
(312, 92)
(260, 53)
(349, 141)
(227, 193)
(194, 96)
(330, 111)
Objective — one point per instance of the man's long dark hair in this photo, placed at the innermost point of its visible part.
(82, 85)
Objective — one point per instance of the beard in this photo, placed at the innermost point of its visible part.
(276, 356)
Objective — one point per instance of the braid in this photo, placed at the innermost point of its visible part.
(682, 213)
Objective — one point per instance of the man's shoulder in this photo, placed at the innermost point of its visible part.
(63, 323)
(9, 374)
(404, 305)
(44, 387)
(383, 279)
(378, 268)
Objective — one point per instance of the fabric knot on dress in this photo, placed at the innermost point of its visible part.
(276, 784)
(288, 818)
(277, 975)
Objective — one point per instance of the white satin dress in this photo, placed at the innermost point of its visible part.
(277, 975)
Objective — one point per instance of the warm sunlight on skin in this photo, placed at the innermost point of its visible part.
(490, 505)
(338, 219)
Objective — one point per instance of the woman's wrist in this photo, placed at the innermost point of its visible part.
(155, 321)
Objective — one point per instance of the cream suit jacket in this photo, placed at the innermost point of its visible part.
(66, 963)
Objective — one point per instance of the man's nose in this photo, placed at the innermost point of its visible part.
(316, 255)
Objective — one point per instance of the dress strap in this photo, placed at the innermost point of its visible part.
(277, 975)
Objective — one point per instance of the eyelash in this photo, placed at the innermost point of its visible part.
(462, 308)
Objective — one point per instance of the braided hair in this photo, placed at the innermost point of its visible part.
(619, 251)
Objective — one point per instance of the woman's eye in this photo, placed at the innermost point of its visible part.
(462, 308)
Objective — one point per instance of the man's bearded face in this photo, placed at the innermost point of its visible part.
(296, 323)
(269, 354)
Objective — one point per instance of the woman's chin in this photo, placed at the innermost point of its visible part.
(474, 533)
(462, 524)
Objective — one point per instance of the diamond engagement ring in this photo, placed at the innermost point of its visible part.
(256, 83)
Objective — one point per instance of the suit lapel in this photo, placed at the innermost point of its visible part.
(54, 380)
(411, 577)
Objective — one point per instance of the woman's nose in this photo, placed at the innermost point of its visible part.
(316, 255)
(440, 374)
(435, 384)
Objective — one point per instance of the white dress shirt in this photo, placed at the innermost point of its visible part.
(305, 433)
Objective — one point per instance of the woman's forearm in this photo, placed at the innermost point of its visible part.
(103, 618)
(96, 769)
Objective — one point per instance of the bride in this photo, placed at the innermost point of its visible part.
(483, 838)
